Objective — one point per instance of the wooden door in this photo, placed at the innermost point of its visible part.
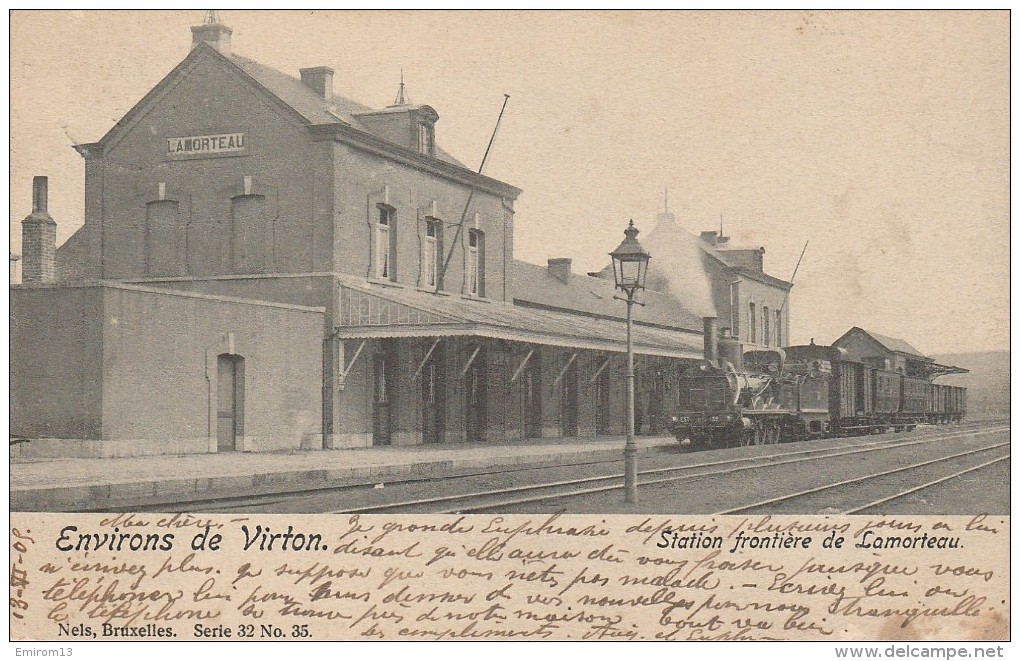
(602, 403)
(531, 399)
(568, 401)
(381, 414)
(433, 398)
(656, 402)
(229, 401)
(475, 393)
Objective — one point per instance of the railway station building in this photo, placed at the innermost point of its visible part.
(749, 304)
(892, 354)
(266, 265)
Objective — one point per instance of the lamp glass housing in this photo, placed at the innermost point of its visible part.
(630, 262)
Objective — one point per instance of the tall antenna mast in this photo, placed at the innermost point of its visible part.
(471, 195)
(787, 297)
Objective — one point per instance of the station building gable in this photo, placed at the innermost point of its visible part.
(208, 175)
(884, 352)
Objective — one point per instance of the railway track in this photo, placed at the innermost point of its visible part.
(475, 500)
(230, 502)
(278, 495)
(927, 485)
(813, 494)
(494, 500)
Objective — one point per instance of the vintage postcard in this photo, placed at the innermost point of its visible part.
(492, 326)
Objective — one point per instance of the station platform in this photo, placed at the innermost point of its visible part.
(59, 485)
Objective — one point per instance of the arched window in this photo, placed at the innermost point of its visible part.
(164, 239)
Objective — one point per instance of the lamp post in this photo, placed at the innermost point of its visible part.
(630, 266)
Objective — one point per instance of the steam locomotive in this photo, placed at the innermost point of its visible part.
(768, 396)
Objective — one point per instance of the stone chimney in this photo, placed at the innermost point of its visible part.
(559, 267)
(39, 239)
(319, 79)
(212, 32)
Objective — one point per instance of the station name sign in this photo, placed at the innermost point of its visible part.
(206, 145)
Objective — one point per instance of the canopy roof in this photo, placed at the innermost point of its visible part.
(369, 310)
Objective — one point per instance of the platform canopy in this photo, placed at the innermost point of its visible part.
(379, 311)
(936, 370)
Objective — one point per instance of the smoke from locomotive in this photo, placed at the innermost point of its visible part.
(686, 279)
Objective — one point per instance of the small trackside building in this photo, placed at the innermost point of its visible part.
(122, 370)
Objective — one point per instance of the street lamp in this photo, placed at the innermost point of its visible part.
(630, 267)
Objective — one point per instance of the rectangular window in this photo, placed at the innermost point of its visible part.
(476, 263)
(779, 328)
(752, 324)
(431, 251)
(766, 329)
(385, 245)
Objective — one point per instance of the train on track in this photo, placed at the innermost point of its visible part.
(771, 395)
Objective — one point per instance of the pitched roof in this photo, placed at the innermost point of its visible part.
(535, 286)
(307, 103)
(890, 343)
(299, 96)
(761, 276)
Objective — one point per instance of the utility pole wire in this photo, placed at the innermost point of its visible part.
(471, 195)
(787, 297)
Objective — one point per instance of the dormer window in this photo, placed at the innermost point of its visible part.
(426, 139)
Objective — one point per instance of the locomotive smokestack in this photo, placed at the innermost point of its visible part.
(730, 350)
(711, 339)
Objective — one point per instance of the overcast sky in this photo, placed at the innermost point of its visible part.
(881, 138)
